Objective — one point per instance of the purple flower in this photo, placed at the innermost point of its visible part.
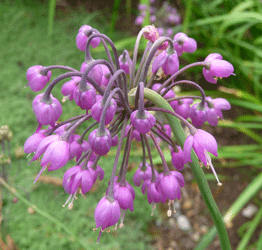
(139, 20)
(43, 145)
(96, 73)
(135, 134)
(124, 63)
(36, 79)
(100, 143)
(183, 43)
(115, 141)
(33, 141)
(142, 173)
(85, 100)
(168, 184)
(105, 76)
(201, 142)
(47, 113)
(169, 63)
(76, 148)
(182, 107)
(97, 109)
(216, 67)
(81, 38)
(142, 125)
(152, 194)
(125, 197)
(56, 155)
(107, 213)
(178, 158)
(75, 178)
(168, 95)
(69, 87)
(151, 33)
(198, 114)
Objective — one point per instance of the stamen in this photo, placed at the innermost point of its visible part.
(153, 208)
(67, 200)
(70, 205)
(41, 171)
(169, 211)
(122, 217)
(99, 236)
(209, 163)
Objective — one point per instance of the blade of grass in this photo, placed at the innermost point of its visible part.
(41, 212)
(251, 229)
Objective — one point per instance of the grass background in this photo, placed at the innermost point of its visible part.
(24, 43)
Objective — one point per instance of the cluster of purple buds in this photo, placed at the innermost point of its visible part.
(113, 96)
(164, 17)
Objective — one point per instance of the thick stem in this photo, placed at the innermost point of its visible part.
(203, 186)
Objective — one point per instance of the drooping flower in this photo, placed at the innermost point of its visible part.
(201, 142)
(100, 143)
(183, 43)
(216, 67)
(36, 78)
(107, 213)
(169, 63)
(47, 112)
(81, 38)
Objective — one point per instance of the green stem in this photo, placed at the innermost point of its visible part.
(180, 136)
(187, 16)
(51, 16)
(241, 201)
(41, 212)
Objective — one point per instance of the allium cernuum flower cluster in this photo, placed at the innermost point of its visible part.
(118, 103)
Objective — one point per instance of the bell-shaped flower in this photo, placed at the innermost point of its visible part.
(178, 158)
(32, 142)
(96, 73)
(216, 67)
(85, 100)
(142, 125)
(68, 87)
(143, 173)
(36, 79)
(75, 178)
(135, 135)
(47, 112)
(81, 38)
(169, 63)
(169, 184)
(152, 194)
(125, 62)
(183, 43)
(56, 155)
(76, 148)
(198, 114)
(182, 107)
(100, 143)
(125, 197)
(107, 213)
(97, 109)
(151, 33)
(201, 142)
(215, 107)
